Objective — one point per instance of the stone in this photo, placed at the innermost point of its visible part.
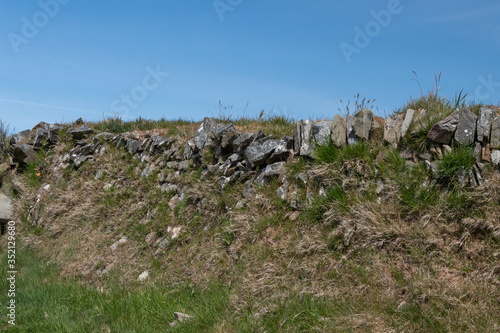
(6, 209)
(478, 151)
(282, 151)
(224, 137)
(302, 135)
(392, 129)
(41, 137)
(271, 170)
(259, 151)
(495, 157)
(241, 143)
(321, 132)
(23, 153)
(484, 120)
(80, 132)
(160, 144)
(304, 177)
(486, 153)
(351, 137)
(410, 113)
(339, 131)
(443, 131)
(119, 242)
(465, 133)
(418, 121)
(103, 137)
(377, 131)
(148, 170)
(108, 187)
(363, 124)
(182, 317)
(189, 150)
(54, 133)
(294, 199)
(143, 277)
(447, 149)
(495, 133)
(203, 135)
(248, 189)
(132, 146)
(20, 138)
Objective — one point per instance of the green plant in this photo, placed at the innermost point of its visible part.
(4, 144)
(358, 105)
(455, 164)
(430, 108)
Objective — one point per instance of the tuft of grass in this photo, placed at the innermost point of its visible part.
(459, 161)
(4, 143)
(436, 108)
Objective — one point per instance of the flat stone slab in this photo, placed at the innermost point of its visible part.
(6, 209)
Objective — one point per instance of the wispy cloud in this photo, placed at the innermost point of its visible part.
(15, 101)
(469, 15)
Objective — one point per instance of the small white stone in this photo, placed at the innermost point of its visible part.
(144, 275)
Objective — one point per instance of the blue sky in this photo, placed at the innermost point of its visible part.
(82, 58)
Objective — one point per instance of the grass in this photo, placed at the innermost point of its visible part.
(386, 247)
(458, 162)
(45, 303)
(4, 144)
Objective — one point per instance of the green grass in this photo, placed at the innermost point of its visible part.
(459, 161)
(117, 125)
(47, 304)
(330, 153)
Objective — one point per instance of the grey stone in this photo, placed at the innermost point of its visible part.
(148, 170)
(132, 146)
(23, 153)
(245, 139)
(484, 120)
(302, 135)
(362, 124)
(160, 144)
(466, 128)
(294, 199)
(281, 151)
(80, 132)
(443, 131)
(184, 165)
(271, 170)
(495, 157)
(410, 113)
(495, 133)
(224, 137)
(478, 151)
(189, 150)
(304, 177)
(41, 137)
(248, 189)
(259, 151)
(203, 135)
(104, 136)
(339, 131)
(6, 209)
(20, 138)
(393, 129)
(321, 132)
(181, 317)
(351, 136)
(78, 160)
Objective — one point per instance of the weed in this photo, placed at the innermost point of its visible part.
(455, 164)
(4, 144)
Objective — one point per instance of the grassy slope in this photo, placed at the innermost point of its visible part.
(413, 257)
